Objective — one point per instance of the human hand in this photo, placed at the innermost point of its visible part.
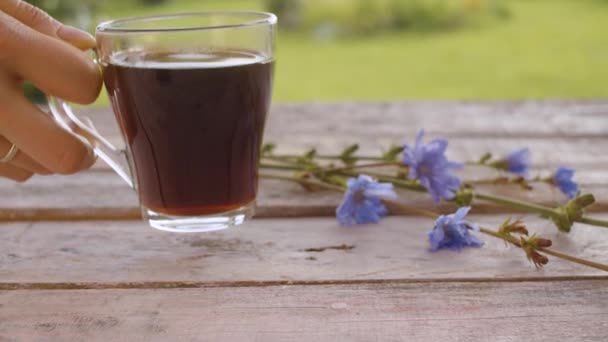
(36, 47)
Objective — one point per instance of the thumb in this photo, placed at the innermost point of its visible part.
(40, 21)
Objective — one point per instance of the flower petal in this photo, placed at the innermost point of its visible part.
(362, 202)
(453, 232)
(461, 213)
(429, 165)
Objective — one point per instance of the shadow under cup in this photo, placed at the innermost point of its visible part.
(191, 94)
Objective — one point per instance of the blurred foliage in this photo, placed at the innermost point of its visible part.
(290, 12)
(546, 48)
(57, 9)
(66, 10)
(32, 93)
(73, 12)
(152, 2)
(364, 17)
(79, 13)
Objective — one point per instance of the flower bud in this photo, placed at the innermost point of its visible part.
(541, 242)
(538, 259)
(517, 227)
(463, 197)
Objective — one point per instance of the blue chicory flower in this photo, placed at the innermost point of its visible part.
(453, 232)
(562, 178)
(362, 201)
(431, 167)
(519, 162)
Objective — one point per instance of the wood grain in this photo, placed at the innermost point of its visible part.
(96, 274)
(101, 194)
(497, 311)
(551, 129)
(311, 249)
(527, 119)
(555, 131)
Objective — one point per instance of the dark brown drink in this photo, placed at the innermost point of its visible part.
(193, 124)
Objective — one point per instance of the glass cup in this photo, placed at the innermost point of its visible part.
(190, 93)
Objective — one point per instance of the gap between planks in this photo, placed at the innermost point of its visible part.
(478, 120)
(266, 212)
(228, 284)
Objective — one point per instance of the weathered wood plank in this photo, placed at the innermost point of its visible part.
(497, 311)
(528, 119)
(372, 282)
(102, 252)
(551, 129)
(103, 195)
(548, 152)
(555, 131)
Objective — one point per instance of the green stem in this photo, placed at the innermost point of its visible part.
(305, 182)
(328, 186)
(504, 180)
(396, 181)
(434, 215)
(514, 203)
(326, 157)
(362, 166)
(334, 169)
(552, 252)
(409, 185)
(506, 201)
(536, 208)
(574, 259)
(402, 183)
(277, 158)
(494, 165)
(593, 222)
(280, 167)
(345, 170)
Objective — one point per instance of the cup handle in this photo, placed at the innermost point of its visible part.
(116, 158)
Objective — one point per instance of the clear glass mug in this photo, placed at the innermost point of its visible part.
(190, 93)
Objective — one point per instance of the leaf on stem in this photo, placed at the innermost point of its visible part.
(572, 211)
(347, 155)
(268, 148)
(485, 158)
(393, 153)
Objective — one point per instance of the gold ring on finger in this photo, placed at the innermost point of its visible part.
(12, 152)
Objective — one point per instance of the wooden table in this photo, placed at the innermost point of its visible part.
(77, 265)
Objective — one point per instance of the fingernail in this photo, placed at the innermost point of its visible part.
(80, 39)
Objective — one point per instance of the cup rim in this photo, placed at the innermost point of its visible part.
(258, 18)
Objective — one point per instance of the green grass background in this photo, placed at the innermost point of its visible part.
(547, 49)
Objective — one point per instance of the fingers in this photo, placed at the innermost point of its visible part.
(15, 173)
(38, 136)
(36, 47)
(44, 23)
(54, 66)
(21, 160)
